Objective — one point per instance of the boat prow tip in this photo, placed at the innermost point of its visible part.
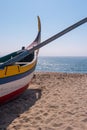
(39, 24)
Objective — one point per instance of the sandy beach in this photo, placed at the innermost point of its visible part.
(53, 101)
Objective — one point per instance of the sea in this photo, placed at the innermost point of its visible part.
(62, 64)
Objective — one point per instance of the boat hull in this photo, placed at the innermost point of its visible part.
(13, 95)
(11, 90)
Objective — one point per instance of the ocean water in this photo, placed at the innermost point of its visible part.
(62, 64)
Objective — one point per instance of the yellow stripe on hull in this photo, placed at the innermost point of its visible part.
(16, 69)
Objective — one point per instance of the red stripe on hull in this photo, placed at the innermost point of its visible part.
(13, 95)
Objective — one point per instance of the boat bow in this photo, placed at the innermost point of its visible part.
(21, 54)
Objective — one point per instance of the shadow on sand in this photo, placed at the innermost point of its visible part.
(13, 109)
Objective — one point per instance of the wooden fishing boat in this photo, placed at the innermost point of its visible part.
(15, 78)
(17, 68)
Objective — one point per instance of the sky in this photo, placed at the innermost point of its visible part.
(18, 25)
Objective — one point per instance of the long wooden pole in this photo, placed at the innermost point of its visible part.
(59, 34)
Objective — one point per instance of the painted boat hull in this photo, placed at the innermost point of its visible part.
(11, 90)
(15, 79)
(13, 86)
(13, 94)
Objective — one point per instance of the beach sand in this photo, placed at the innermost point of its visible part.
(53, 101)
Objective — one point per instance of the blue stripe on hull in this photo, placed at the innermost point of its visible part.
(16, 77)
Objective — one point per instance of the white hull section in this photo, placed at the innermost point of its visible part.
(8, 88)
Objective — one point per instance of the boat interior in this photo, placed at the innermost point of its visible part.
(25, 60)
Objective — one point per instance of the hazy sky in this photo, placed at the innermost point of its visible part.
(18, 25)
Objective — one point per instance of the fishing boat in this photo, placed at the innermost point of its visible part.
(15, 78)
(17, 68)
